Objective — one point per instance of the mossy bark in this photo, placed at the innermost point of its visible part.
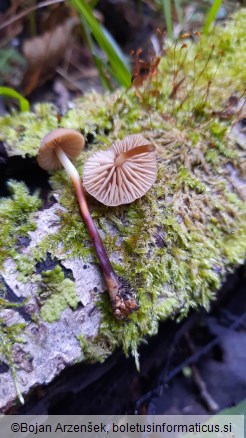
(174, 246)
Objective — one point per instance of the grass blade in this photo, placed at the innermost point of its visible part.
(211, 15)
(179, 11)
(99, 63)
(9, 92)
(119, 68)
(100, 67)
(166, 6)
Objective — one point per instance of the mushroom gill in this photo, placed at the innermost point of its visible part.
(122, 173)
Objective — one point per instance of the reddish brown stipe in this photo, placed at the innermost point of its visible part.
(55, 150)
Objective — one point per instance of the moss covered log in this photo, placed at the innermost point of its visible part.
(175, 245)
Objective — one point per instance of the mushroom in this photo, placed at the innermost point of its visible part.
(55, 150)
(122, 173)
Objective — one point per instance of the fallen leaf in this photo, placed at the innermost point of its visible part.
(45, 52)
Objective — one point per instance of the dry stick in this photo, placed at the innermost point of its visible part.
(198, 380)
(64, 75)
(202, 387)
(122, 300)
(28, 10)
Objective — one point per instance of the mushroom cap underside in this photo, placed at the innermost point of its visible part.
(69, 140)
(114, 184)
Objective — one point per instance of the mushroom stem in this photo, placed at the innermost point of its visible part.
(132, 152)
(95, 237)
(68, 165)
(123, 303)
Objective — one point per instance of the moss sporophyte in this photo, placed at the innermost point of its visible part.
(189, 229)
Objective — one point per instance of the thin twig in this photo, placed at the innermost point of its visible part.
(28, 10)
(194, 358)
(69, 79)
(198, 380)
(176, 339)
(202, 387)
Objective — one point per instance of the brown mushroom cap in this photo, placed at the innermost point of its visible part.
(115, 184)
(70, 141)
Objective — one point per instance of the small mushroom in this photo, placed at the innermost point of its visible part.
(55, 150)
(122, 173)
(58, 147)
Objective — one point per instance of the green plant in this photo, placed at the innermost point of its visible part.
(9, 92)
(118, 66)
(8, 336)
(167, 5)
(211, 16)
(11, 62)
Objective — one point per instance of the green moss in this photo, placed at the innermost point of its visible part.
(16, 218)
(176, 244)
(94, 350)
(97, 122)
(25, 131)
(56, 294)
(8, 336)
